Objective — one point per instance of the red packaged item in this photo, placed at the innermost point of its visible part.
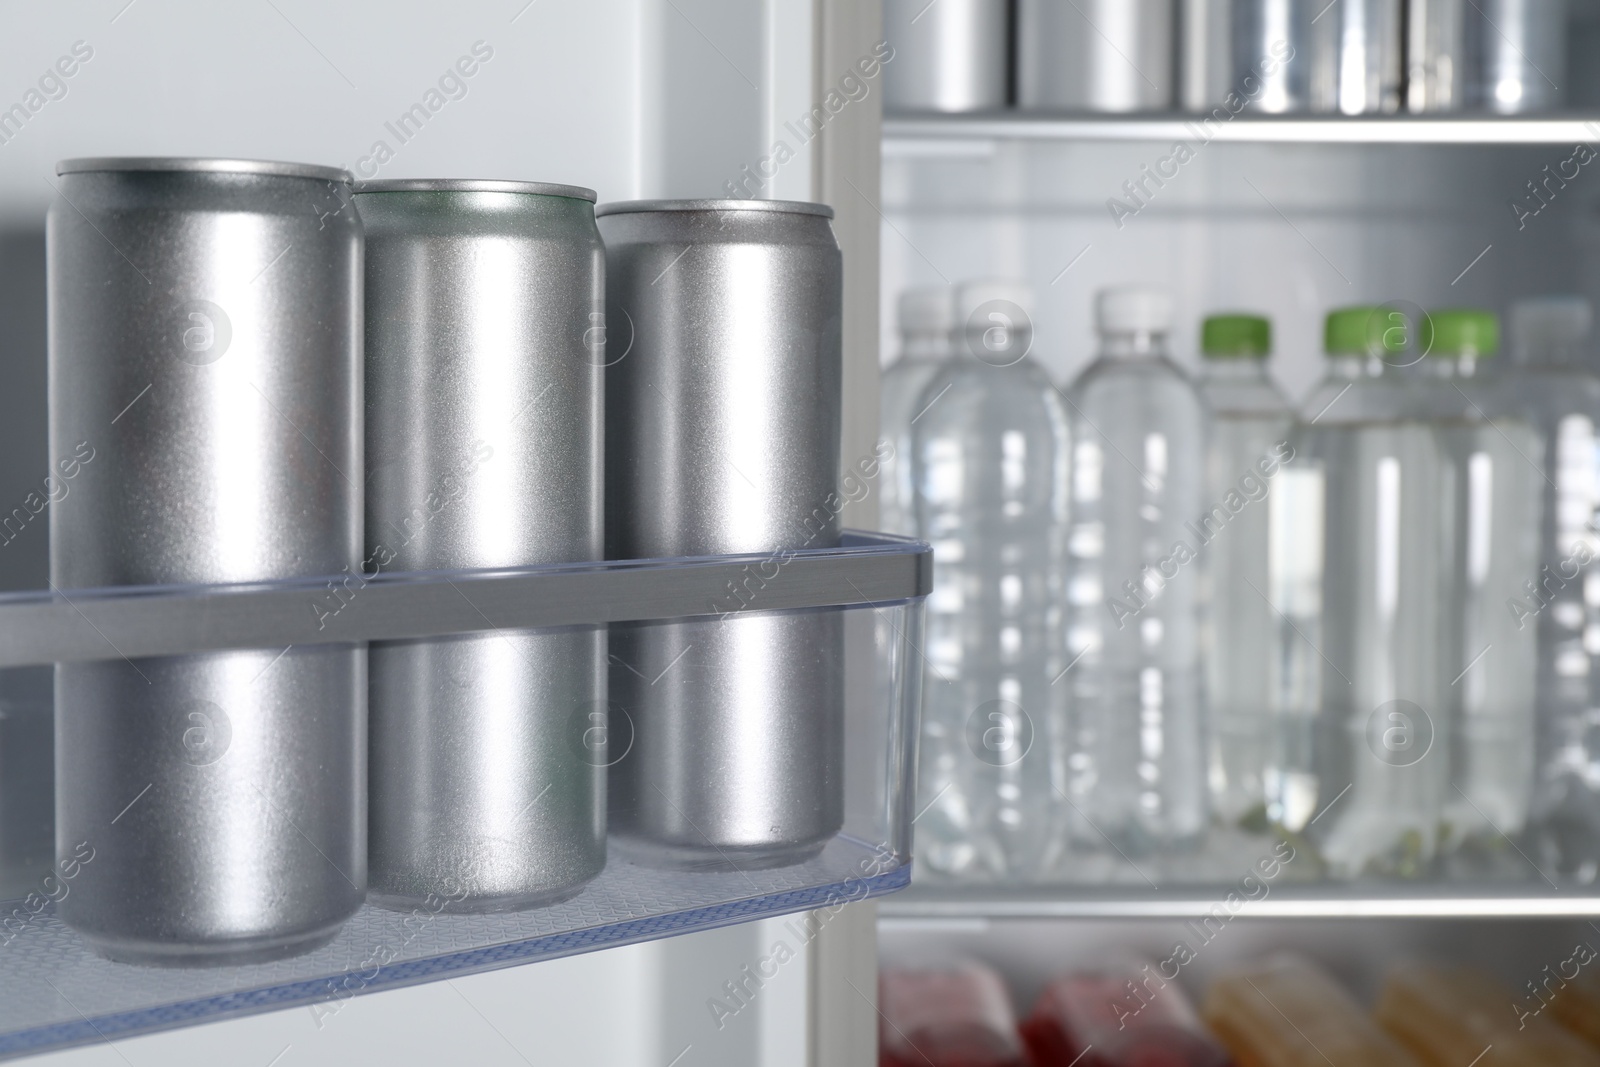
(1121, 1016)
(957, 1016)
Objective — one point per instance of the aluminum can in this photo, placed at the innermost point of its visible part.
(484, 449)
(1095, 55)
(1342, 58)
(205, 403)
(1277, 46)
(1516, 55)
(722, 436)
(1435, 61)
(1363, 64)
(1205, 53)
(953, 55)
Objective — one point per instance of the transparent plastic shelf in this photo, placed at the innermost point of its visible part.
(54, 992)
(831, 629)
(1287, 129)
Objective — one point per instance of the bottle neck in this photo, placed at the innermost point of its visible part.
(922, 344)
(1141, 344)
(1348, 366)
(1452, 368)
(1242, 370)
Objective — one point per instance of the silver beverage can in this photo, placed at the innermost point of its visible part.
(485, 352)
(1205, 53)
(1516, 55)
(1435, 63)
(1344, 57)
(1278, 47)
(1363, 63)
(953, 55)
(205, 399)
(1095, 55)
(722, 436)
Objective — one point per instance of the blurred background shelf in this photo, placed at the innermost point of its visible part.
(945, 906)
(1244, 128)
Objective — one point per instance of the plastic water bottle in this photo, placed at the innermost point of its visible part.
(989, 456)
(1137, 762)
(1493, 479)
(927, 317)
(1555, 388)
(1371, 471)
(1249, 429)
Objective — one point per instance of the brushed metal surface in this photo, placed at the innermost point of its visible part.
(484, 447)
(722, 415)
(1097, 55)
(1289, 58)
(205, 341)
(1516, 55)
(949, 56)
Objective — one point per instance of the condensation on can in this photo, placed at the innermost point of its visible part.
(205, 401)
(722, 436)
(485, 364)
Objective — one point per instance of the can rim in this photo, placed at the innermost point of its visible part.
(187, 165)
(777, 207)
(474, 185)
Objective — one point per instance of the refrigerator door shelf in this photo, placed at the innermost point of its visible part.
(773, 833)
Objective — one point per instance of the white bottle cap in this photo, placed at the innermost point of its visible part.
(1132, 309)
(975, 294)
(1549, 325)
(928, 309)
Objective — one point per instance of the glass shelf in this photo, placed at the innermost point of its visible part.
(1286, 129)
(860, 605)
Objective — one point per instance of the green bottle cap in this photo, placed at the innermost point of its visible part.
(1461, 332)
(1229, 336)
(1365, 331)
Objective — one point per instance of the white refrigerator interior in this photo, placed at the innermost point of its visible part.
(634, 98)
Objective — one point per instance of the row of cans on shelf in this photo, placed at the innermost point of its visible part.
(1271, 56)
(277, 373)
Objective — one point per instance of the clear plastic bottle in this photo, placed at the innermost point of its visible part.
(1494, 473)
(989, 458)
(1250, 423)
(927, 317)
(1556, 389)
(1137, 764)
(1372, 473)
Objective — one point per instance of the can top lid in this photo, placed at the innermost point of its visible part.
(785, 207)
(473, 185)
(204, 166)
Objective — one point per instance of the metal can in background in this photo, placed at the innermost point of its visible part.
(1435, 63)
(1276, 44)
(1363, 60)
(484, 360)
(953, 55)
(1516, 55)
(205, 401)
(722, 436)
(1205, 53)
(1095, 55)
(1342, 58)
